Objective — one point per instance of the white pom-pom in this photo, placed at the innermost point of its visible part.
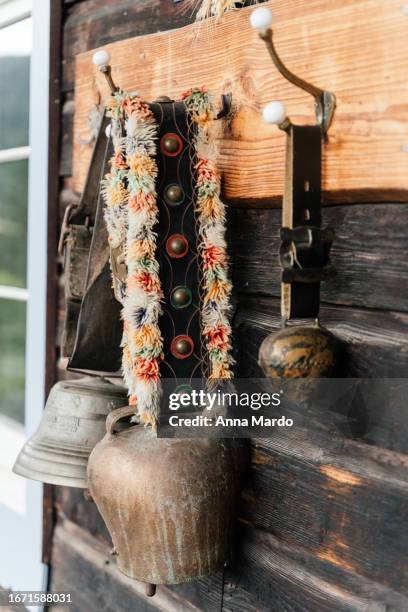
(261, 19)
(274, 112)
(108, 130)
(101, 58)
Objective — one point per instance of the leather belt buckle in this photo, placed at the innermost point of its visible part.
(304, 254)
(305, 236)
(65, 228)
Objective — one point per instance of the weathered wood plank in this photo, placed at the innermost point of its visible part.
(321, 42)
(98, 22)
(73, 505)
(375, 342)
(238, 599)
(83, 566)
(342, 500)
(80, 516)
(369, 253)
(283, 578)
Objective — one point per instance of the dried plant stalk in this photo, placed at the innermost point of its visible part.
(215, 8)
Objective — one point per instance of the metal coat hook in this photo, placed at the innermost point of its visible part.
(226, 104)
(101, 59)
(325, 101)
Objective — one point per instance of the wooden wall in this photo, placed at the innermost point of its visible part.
(323, 517)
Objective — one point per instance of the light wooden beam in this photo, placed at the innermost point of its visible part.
(353, 48)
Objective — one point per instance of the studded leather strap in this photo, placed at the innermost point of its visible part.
(177, 244)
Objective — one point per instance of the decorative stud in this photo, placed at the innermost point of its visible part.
(171, 145)
(183, 389)
(177, 246)
(181, 297)
(182, 347)
(174, 195)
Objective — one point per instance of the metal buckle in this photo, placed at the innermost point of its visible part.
(119, 272)
(304, 254)
(65, 229)
(305, 236)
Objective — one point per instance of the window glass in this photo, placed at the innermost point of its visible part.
(12, 358)
(15, 48)
(13, 223)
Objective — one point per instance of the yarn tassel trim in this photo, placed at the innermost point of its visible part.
(212, 248)
(131, 213)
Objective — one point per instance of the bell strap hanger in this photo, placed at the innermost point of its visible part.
(305, 246)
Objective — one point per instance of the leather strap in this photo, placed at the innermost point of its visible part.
(76, 239)
(178, 220)
(304, 253)
(99, 325)
(89, 201)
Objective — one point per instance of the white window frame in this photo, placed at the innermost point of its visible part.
(21, 533)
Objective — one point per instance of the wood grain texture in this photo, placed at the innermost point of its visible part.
(91, 23)
(335, 498)
(282, 578)
(353, 49)
(268, 574)
(369, 254)
(85, 567)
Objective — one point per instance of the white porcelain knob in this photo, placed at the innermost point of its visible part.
(101, 58)
(261, 19)
(108, 130)
(274, 112)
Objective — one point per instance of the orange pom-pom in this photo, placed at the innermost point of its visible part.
(147, 369)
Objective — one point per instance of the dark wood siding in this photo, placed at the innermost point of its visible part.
(323, 516)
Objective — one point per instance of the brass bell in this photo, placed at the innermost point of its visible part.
(169, 504)
(73, 422)
(299, 352)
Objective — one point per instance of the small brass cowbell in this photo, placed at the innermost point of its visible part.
(299, 352)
